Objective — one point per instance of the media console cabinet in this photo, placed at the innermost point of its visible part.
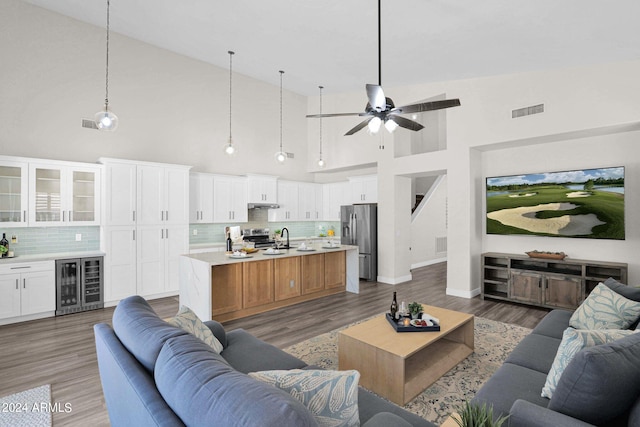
(542, 282)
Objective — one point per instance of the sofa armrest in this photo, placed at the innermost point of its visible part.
(527, 414)
(218, 331)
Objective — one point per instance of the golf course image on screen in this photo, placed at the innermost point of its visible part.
(585, 203)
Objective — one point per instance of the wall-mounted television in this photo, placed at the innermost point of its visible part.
(586, 203)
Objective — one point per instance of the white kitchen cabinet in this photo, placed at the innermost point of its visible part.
(27, 289)
(288, 199)
(262, 189)
(309, 201)
(14, 187)
(230, 199)
(335, 194)
(64, 194)
(364, 189)
(200, 198)
(147, 223)
(162, 194)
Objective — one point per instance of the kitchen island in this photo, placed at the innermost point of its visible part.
(219, 287)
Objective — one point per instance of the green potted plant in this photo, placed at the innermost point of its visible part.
(415, 308)
(472, 415)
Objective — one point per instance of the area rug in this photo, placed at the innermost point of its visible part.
(493, 342)
(29, 408)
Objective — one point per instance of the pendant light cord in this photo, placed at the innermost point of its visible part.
(106, 96)
(281, 73)
(379, 47)
(231, 53)
(321, 87)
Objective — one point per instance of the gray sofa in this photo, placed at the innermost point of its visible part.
(515, 388)
(155, 374)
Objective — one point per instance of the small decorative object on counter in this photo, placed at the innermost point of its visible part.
(394, 307)
(4, 246)
(229, 245)
(415, 308)
(331, 232)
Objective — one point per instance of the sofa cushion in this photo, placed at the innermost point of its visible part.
(370, 405)
(601, 383)
(199, 386)
(535, 352)
(247, 353)
(573, 341)
(331, 396)
(631, 292)
(190, 322)
(605, 309)
(386, 419)
(553, 324)
(508, 384)
(141, 331)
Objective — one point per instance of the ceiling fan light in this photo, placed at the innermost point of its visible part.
(106, 120)
(374, 124)
(281, 156)
(390, 125)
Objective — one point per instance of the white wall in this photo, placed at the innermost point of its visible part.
(171, 108)
(429, 222)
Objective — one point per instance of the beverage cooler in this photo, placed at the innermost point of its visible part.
(79, 284)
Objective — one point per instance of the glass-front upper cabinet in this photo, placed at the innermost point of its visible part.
(64, 195)
(13, 193)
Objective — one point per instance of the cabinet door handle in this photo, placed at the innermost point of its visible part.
(167, 216)
(161, 215)
(162, 233)
(63, 216)
(24, 215)
(134, 215)
(166, 233)
(134, 234)
(24, 283)
(17, 285)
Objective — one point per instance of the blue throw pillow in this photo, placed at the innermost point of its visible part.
(605, 309)
(601, 383)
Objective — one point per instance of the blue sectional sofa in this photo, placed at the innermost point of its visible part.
(515, 388)
(155, 374)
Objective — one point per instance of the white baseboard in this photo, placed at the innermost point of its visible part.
(463, 294)
(428, 262)
(394, 280)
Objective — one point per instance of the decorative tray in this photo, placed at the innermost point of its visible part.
(410, 328)
(546, 255)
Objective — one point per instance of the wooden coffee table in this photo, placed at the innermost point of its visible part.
(400, 365)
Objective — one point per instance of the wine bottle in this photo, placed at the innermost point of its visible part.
(229, 246)
(394, 307)
(4, 242)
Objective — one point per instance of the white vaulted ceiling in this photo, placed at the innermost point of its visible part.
(334, 42)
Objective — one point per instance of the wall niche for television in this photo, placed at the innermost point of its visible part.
(585, 203)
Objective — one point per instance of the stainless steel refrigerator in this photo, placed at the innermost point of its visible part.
(360, 228)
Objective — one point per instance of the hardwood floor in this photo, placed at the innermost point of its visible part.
(61, 351)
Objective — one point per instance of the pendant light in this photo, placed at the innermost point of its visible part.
(321, 162)
(229, 148)
(105, 119)
(281, 156)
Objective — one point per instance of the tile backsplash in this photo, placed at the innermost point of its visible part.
(45, 240)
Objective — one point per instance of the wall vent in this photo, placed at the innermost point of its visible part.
(89, 124)
(289, 155)
(527, 111)
(441, 244)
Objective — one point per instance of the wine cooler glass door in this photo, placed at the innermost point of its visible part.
(68, 285)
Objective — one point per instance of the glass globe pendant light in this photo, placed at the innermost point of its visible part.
(321, 162)
(229, 148)
(374, 125)
(105, 119)
(281, 156)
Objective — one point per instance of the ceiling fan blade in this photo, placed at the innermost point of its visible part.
(377, 100)
(427, 106)
(360, 126)
(317, 116)
(406, 123)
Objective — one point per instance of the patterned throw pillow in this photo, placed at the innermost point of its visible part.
(331, 396)
(605, 309)
(574, 340)
(186, 319)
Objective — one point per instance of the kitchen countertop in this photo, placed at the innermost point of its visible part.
(49, 257)
(219, 258)
(196, 246)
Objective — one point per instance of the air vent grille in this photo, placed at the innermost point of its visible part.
(527, 111)
(89, 124)
(441, 244)
(289, 155)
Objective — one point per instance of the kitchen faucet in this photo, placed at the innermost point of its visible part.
(282, 234)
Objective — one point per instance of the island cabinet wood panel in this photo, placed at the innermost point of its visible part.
(287, 278)
(257, 283)
(335, 268)
(226, 288)
(312, 273)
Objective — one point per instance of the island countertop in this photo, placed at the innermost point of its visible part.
(221, 258)
(214, 282)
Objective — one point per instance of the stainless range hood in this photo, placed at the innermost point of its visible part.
(263, 206)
